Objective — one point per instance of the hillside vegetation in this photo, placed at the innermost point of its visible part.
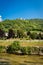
(18, 48)
(25, 25)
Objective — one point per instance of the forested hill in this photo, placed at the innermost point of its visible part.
(18, 24)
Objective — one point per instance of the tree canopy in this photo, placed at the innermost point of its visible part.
(26, 25)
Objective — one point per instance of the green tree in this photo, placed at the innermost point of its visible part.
(28, 33)
(33, 35)
(2, 34)
(11, 33)
(13, 47)
(20, 33)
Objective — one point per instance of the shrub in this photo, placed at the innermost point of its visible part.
(35, 50)
(14, 47)
(23, 50)
(2, 49)
(20, 33)
(41, 49)
(28, 33)
(26, 50)
(41, 36)
(11, 34)
(33, 35)
(2, 34)
(29, 50)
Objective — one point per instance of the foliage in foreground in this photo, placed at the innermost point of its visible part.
(2, 49)
(14, 47)
(17, 49)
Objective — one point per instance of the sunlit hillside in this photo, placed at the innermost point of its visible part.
(25, 25)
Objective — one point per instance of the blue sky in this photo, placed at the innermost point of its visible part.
(12, 9)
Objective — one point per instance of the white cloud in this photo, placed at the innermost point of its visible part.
(0, 18)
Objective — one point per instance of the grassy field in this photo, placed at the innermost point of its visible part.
(12, 59)
(22, 42)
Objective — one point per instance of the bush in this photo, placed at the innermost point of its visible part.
(23, 50)
(41, 49)
(29, 50)
(35, 50)
(26, 50)
(33, 35)
(2, 34)
(2, 49)
(20, 33)
(40, 36)
(14, 47)
(11, 34)
(28, 33)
